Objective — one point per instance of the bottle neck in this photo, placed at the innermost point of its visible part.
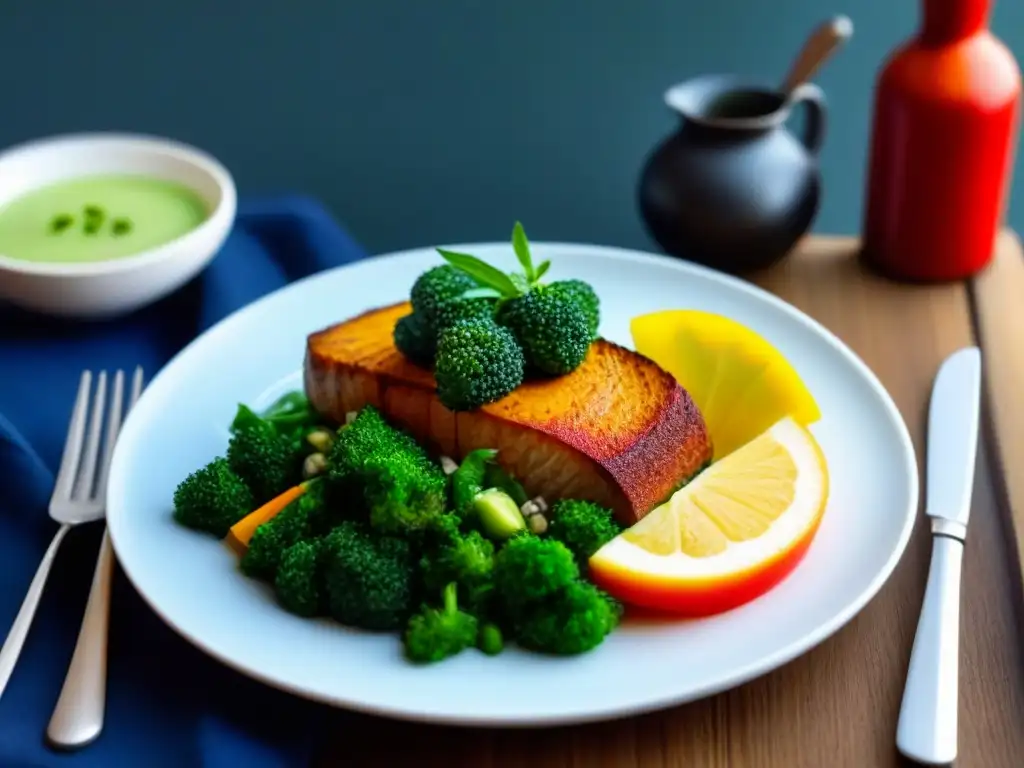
(946, 21)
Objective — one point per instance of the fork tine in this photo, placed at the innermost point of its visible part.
(73, 444)
(136, 386)
(87, 471)
(113, 427)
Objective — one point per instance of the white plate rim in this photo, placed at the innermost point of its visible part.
(740, 675)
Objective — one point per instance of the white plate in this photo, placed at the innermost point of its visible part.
(191, 581)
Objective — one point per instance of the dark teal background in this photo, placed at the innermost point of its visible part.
(425, 121)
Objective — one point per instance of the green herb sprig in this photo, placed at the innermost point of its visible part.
(492, 282)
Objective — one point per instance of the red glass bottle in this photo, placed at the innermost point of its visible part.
(942, 148)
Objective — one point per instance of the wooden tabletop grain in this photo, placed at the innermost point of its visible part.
(837, 705)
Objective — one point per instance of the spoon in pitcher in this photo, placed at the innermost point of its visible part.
(825, 40)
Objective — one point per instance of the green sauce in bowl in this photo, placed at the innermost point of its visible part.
(97, 218)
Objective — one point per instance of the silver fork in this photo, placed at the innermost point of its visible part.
(77, 718)
(79, 494)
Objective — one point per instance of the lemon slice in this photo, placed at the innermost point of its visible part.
(740, 382)
(728, 536)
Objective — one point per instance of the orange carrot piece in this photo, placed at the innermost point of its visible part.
(241, 532)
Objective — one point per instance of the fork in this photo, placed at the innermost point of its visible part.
(79, 493)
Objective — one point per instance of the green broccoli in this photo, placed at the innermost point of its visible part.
(270, 540)
(477, 362)
(368, 578)
(572, 620)
(415, 341)
(263, 458)
(402, 487)
(584, 527)
(583, 295)
(434, 288)
(467, 560)
(297, 582)
(468, 479)
(551, 328)
(326, 507)
(212, 499)
(434, 634)
(528, 569)
(463, 308)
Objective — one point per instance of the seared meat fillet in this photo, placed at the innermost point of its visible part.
(618, 431)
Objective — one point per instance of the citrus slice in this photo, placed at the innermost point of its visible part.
(739, 381)
(728, 536)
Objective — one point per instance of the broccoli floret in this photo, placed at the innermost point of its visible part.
(551, 328)
(297, 583)
(434, 634)
(584, 296)
(573, 620)
(463, 308)
(477, 362)
(326, 507)
(212, 499)
(434, 288)
(467, 560)
(415, 341)
(263, 458)
(270, 540)
(368, 578)
(584, 527)
(528, 569)
(468, 479)
(403, 488)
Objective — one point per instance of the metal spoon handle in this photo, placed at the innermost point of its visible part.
(78, 717)
(23, 621)
(819, 47)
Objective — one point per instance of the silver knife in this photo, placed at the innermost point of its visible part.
(927, 728)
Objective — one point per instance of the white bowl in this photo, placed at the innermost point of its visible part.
(106, 288)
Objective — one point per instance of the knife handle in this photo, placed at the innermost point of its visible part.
(927, 728)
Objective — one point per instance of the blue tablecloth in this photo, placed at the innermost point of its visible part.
(167, 703)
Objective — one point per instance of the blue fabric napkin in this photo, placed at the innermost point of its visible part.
(167, 703)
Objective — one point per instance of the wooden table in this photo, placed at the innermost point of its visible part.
(837, 705)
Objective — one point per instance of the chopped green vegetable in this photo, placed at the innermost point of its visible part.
(297, 582)
(121, 227)
(497, 514)
(477, 362)
(435, 287)
(551, 328)
(467, 560)
(434, 634)
(495, 476)
(212, 499)
(583, 295)
(415, 341)
(489, 640)
(584, 527)
(263, 458)
(272, 538)
(528, 569)
(61, 222)
(573, 620)
(468, 479)
(403, 488)
(369, 578)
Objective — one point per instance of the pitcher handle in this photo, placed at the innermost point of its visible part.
(813, 98)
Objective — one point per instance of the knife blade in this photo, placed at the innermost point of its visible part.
(927, 727)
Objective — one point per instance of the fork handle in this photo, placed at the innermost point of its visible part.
(23, 621)
(78, 717)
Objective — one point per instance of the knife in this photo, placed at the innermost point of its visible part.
(927, 728)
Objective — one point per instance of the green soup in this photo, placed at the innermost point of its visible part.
(97, 218)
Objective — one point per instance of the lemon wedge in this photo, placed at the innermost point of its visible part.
(740, 382)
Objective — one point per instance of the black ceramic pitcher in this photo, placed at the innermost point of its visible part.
(733, 188)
